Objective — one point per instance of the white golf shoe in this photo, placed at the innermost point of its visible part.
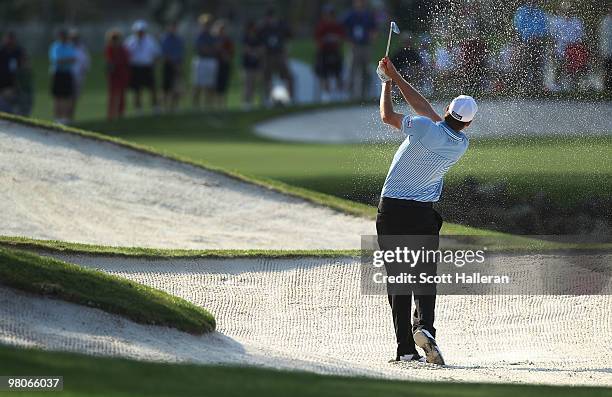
(425, 341)
(409, 357)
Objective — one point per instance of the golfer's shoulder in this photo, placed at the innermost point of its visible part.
(439, 136)
(417, 123)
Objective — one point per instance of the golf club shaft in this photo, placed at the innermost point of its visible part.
(389, 41)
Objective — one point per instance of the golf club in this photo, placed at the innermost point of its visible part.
(393, 28)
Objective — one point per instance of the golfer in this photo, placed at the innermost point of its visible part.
(414, 182)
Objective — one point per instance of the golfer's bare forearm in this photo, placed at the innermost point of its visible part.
(417, 101)
(386, 106)
(387, 114)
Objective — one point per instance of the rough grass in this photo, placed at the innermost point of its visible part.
(89, 376)
(495, 242)
(139, 303)
(55, 246)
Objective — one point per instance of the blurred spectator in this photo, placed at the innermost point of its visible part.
(445, 63)
(6, 100)
(117, 73)
(144, 52)
(225, 54)
(329, 35)
(24, 98)
(605, 46)
(426, 61)
(173, 54)
(81, 65)
(62, 56)
(11, 61)
(205, 63)
(576, 66)
(361, 28)
(408, 61)
(473, 70)
(274, 34)
(567, 32)
(504, 68)
(471, 49)
(530, 24)
(251, 61)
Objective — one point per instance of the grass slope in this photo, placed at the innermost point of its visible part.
(495, 243)
(89, 376)
(55, 246)
(73, 283)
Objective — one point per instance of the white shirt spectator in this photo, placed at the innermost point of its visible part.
(444, 60)
(506, 58)
(426, 59)
(143, 51)
(565, 31)
(605, 37)
(82, 62)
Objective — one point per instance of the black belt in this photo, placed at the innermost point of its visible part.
(388, 204)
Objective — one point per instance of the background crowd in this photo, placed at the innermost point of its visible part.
(547, 51)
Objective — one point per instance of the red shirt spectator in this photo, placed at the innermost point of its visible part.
(329, 34)
(118, 74)
(118, 61)
(576, 58)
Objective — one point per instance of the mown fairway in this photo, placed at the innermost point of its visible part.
(87, 376)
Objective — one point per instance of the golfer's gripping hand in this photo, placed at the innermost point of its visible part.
(386, 67)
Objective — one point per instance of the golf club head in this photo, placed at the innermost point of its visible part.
(395, 28)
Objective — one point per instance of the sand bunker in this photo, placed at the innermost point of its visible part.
(64, 187)
(309, 314)
(496, 118)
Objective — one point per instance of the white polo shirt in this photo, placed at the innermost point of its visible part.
(143, 52)
(422, 160)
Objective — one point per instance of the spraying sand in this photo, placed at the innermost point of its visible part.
(62, 186)
(309, 314)
(495, 118)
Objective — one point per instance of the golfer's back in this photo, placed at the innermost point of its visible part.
(419, 165)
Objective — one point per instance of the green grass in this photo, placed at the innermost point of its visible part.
(55, 246)
(89, 376)
(495, 243)
(139, 303)
(568, 171)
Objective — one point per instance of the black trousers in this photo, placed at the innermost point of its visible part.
(404, 218)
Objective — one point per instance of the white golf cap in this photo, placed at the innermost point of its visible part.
(139, 26)
(463, 108)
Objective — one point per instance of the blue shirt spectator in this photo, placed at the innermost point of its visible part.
(360, 25)
(530, 22)
(62, 56)
(206, 45)
(173, 48)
